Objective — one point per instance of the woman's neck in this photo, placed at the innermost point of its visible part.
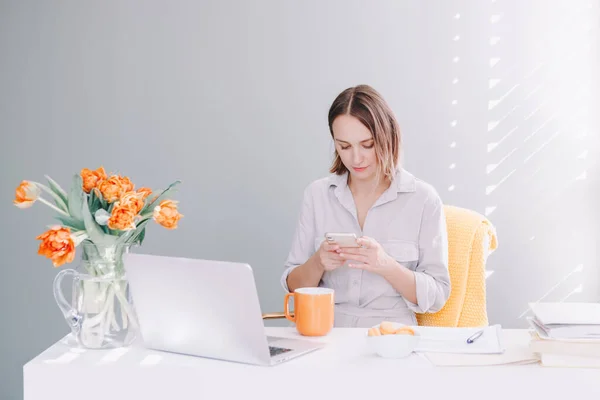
(368, 187)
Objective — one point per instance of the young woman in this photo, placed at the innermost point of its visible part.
(401, 266)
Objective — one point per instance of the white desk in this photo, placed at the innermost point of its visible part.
(344, 369)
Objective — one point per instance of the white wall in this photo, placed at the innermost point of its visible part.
(232, 98)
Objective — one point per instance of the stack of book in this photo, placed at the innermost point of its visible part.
(566, 334)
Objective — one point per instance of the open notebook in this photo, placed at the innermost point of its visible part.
(449, 347)
(454, 340)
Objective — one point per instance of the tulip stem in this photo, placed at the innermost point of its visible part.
(58, 210)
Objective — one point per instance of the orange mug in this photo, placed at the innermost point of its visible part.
(313, 310)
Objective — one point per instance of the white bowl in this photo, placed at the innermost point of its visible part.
(394, 346)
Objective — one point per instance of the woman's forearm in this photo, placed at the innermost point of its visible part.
(403, 281)
(306, 275)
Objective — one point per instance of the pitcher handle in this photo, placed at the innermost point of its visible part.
(71, 315)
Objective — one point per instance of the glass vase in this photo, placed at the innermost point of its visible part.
(100, 314)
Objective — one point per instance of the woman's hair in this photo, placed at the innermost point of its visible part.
(366, 104)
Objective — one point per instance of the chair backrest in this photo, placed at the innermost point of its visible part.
(471, 238)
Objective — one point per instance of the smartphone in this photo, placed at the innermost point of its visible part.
(342, 239)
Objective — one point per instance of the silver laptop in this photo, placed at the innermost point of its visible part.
(204, 308)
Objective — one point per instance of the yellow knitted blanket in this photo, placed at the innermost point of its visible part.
(471, 238)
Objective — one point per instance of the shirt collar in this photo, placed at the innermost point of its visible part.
(404, 181)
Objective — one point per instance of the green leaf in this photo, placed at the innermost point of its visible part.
(140, 238)
(71, 222)
(76, 196)
(103, 202)
(116, 233)
(56, 188)
(57, 199)
(92, 228)
(149, 199)
(96, 201)
(161, 197)
(93, 202)
(139, 231)
(124, 237)
(84, 255)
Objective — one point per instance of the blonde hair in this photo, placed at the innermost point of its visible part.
(368, 106)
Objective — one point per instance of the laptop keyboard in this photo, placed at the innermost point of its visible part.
(278, 350)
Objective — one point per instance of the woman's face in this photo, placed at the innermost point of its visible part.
(356, 147)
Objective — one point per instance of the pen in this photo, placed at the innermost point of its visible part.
(474, 336)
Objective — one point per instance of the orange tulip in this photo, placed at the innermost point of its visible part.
(133, 200)
(57, 245)
(145, 192)
(126, 183)
(26, 194)
(166, 214)
(92, 178)
(122, 218)
(111, 188)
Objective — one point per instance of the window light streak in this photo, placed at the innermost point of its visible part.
(489, 210)
(537, 88)
(495, 18)
(582, 177)
(538, 108)
(493, 124)
(150, 359)
(494, 82)
(540, 128)
(491, 167)
(577, 269)
(542, 146)
(583, 155)
(64, 358)
(489, 189)
(113, 355)
(495, 102)
(493, 145)
(578, 289)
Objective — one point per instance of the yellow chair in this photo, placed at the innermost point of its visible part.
(471, 238)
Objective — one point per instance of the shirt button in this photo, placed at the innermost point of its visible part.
(355, 282)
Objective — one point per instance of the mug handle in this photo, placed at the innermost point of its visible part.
(286, 308)
(71, 316)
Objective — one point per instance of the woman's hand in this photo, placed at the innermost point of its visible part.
(370, 257)
(327, 256)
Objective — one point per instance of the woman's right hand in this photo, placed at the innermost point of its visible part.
(327, 256)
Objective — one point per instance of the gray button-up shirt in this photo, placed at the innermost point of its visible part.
(407, 220)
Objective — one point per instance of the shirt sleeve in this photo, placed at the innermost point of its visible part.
(303, 241)
(432, 277)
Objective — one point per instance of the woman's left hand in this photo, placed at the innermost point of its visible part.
(370, 257)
